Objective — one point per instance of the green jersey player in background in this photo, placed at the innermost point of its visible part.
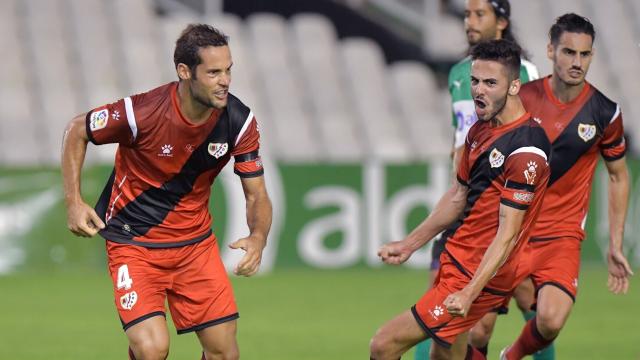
(483, 20)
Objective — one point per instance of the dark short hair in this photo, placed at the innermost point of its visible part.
(503, 51)
(573, 23)
(194, 37)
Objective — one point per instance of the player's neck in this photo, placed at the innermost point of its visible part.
(564, 92)
(191, 109)
(512, 111)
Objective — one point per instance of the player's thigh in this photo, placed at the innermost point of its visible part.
(219, 339)
(138, 284)
(149, 336)
(524, 294)
(201, 294)
(399, 334)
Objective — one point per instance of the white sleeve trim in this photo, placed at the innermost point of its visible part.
(530, 149)
(615, 116)
(244, 127)
(131, 117)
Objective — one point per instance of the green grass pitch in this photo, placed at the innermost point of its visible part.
(290, 314)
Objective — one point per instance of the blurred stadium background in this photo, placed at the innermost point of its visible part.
(354, 111)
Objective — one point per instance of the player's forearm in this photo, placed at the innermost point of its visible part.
(74, 148)
(259, 214)
(618, 202)
(498, 251)
(447, 210)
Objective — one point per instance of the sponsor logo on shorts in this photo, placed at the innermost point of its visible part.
(128, 300)
(496, 158)
(586, 131)
(437, 312)
(217, 150)
(523, 197)
(98, 119)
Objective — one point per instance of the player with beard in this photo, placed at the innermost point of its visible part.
(580, 122)
(490, 209)
(483, 20)
(173, 142)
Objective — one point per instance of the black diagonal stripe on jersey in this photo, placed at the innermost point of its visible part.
(482, 174)
(103, 201)
(151, 207)
(568, 147)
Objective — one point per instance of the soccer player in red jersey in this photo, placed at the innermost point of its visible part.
(491, 207)
(580, 122)
(173, 142)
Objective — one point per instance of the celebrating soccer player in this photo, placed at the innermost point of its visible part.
(491, 207)
(483, 20)
(580, 122)
(173, 142)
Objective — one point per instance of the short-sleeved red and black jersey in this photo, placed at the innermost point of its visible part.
(505, 165)
(578, 131)
(158, 192)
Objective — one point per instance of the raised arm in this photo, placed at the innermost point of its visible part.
(448, 210)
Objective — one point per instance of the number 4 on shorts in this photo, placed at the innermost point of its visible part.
(124, 280)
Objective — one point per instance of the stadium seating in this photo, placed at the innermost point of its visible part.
(317, 97)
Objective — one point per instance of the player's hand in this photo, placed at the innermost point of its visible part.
(82, 220)
(395, 253)
(250, 262)
(619, 272)
(458, 303)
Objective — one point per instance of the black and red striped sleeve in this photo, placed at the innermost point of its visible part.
(246, 150)
(526, 174)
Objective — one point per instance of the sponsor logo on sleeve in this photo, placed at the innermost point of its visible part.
(496, 158)
(217, 150)
(523, 197)
(586, 131)
(98, 119)
(115, 115)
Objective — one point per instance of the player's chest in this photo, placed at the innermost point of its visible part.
(174, 149)
(566, 128)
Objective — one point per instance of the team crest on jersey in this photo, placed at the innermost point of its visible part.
(586, 131)
(98, 119)
(496, 159)
(530, 172)
(217, 150)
